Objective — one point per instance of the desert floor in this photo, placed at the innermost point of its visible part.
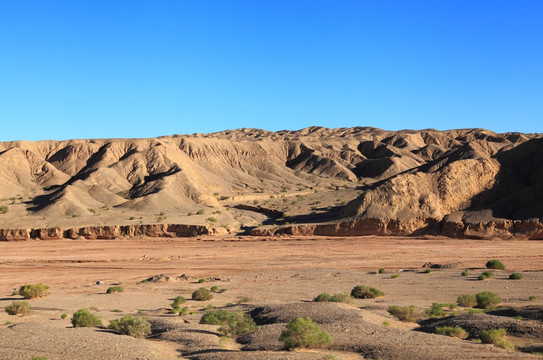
(255, 271)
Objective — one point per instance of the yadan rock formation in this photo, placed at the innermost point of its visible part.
(459, 183)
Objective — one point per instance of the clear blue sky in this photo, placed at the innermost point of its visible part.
(98, 69)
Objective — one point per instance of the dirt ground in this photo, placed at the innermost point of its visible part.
(255, 271)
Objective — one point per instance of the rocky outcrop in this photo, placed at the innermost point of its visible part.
(505, 229)
(110, 232)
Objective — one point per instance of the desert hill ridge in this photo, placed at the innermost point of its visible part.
(416, 179)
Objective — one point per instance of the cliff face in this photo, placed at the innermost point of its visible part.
(457, 182)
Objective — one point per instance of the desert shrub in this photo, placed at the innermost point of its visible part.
(39, 358)
(532, 297)
(212, 219)
(485, 275)
(202, 281)
(496, 337)
(303, 332)
(394, 276)
(465, 272)
(18, 308)
(437, 311)
(200, 212)
(4, 209)
(366, 292)
(466, 300)
(381, 271)
(132, 218)
(516, 276)
(325, 297)
(178, 301)
(486, 299)
(202, 294)
(453, 331)
(405, 313)
(114, 289)
(232, 323)
(427, 271)
(137, 327)
(63, 316)
(84, 318)
(190, 213)
(494, 264)
(214, 288)
(32, 291)
(183, 311)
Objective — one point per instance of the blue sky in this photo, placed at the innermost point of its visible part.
(100, 69)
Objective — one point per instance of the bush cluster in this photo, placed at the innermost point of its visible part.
(325, 297)
(202, 294)
(405, 313)
(466, 300)
(32, 291)
(455, 331)
(18, 308)
(496, 337)
(84, 318)
(303, 332)
(495, 264)
(366, 292)
(232, 323)
(114, 289)
(137, 327)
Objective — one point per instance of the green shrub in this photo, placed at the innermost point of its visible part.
(494, 264)
(32, 291)
(232, 323)
(437, 311)
(4, 209)
(137, 327)
(202, 294)
(63, 316)
(200, 212)
(178, 301)
(394, 276)
(496, 337)
(466, 300)
(114, 289)
(202, 281)
(18, 308)
(381, 271)
(485, 275)
(465, 272)
(455, 331)
(486, 299)
(405, 313)
(516, 276)
(84, 318)
(427, 271)
(303, 332)
(532, 297)
(366, 292)
(183, 311)
(325, 297)
(214, 288)
(39, 358)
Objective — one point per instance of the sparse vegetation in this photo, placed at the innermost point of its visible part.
(200, 212)
(465, 272)
(394, 276)
(4, 209)
(202, 294)
(178, 300)
(32, 291)
(214, 288)
(496, 337)
(516, 276)
(452, 331)
(63, 316)
(137, 327)
(232, 323)
(303, 332)
(532, 298)
(486, 299)
(202, 281)
(325, 297)
(466, 300)
(212, 219)
(485, 275)
(39, 358)
(381, 271)
(84, 318)
(18, 308)
(495, 264)
(114, 289)
(427, 271)
(437, 310)
(405, 313)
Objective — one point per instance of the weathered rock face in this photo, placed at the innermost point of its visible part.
(507, 229)
(110, 232)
